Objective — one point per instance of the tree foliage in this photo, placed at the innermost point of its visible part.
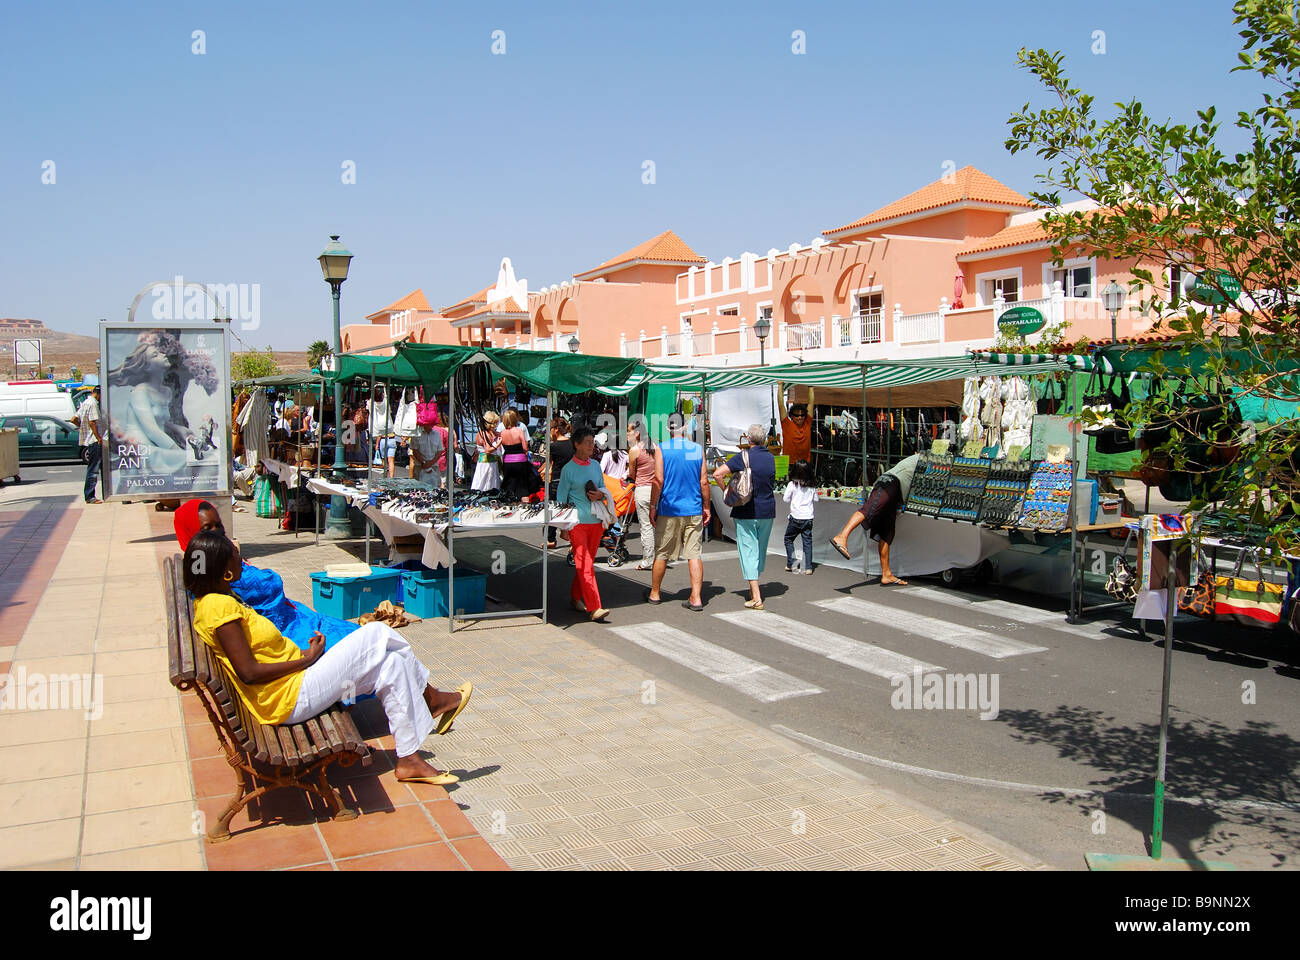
(315, 351)
(1167, 193)
(253, 363)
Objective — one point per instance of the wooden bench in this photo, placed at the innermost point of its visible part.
(262, 757)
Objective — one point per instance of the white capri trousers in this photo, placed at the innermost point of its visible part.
(372, 659)
(642, 495)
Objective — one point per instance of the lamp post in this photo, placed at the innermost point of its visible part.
(574, 344)
(334, 265)
(1113, 298)
(763, 327)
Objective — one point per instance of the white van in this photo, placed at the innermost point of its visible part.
(35, 397)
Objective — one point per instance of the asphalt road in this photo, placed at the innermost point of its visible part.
(1067, 765)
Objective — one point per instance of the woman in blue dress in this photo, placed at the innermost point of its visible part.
(263, 590)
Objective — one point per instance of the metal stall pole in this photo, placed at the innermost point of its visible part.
(546, 507)
(451, 498)
(1076, 568)
(370, 406)
(320, 437)
(1158, 815)
(862, 475)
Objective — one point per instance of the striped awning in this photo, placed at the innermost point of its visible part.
(864, 374)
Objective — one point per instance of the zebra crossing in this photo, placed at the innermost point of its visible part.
(871, 619)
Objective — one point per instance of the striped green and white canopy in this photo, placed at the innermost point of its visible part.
(864, 374)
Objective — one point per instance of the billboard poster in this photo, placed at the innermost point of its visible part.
(166, 401)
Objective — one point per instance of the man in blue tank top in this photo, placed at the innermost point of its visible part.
(679, 508)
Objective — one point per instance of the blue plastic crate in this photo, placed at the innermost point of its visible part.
(349, 597)
(425, 594)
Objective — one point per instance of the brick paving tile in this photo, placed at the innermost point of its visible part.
(427, 856)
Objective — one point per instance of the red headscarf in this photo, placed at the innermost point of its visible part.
(186, 522)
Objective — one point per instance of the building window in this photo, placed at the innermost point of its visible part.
(868, 307)
(1009, 287)
(1176, 275)
(765, 313)
(1075, 281)
(735, 312)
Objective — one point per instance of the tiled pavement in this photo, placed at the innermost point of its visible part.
(126, 789)
(563, 765)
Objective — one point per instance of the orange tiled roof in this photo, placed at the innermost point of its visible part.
(1007, 237)
(415, 300)
(508, 305)
(473, 298)
(665, 248)
(968, 183)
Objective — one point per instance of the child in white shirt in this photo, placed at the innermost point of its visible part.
(801, 495)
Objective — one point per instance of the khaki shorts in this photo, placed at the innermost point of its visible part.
(679, 534)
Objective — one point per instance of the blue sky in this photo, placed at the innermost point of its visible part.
(226, 167)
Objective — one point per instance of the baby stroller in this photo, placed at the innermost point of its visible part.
(624, 513)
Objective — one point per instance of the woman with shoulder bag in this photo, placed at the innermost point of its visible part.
(754, 516)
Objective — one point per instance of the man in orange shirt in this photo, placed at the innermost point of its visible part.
(796, 428)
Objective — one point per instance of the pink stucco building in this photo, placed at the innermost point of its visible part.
(925, 275)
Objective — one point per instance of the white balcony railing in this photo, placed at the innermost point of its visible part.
(919, 327)
(802, 336)
(857, 328)
(543, 343)
(630, 348)
(672, 344)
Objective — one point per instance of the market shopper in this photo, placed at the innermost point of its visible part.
(487, 444)
(879, 511)
(583, 485)
(517, 477)
(91, 439)
(679, 508)
(754, 517)
(281, 685)
(381, 432)
(561, 454)
(801, 495)
(641, 473)
(428, 449)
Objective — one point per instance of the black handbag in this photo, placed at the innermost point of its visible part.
(1115, 438)
(1122, 584)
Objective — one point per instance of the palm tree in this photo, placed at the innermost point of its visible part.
(317, 350)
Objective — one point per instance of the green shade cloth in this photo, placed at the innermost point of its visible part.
(394, 369)
(280, 380)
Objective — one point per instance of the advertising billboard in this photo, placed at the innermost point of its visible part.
(166, 402)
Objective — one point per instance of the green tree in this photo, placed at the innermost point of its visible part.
(1168, 193)
(253, 363)
(317, 350)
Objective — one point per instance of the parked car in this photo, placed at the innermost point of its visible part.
(45, 438)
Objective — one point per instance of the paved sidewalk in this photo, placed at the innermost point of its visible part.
(570, 758)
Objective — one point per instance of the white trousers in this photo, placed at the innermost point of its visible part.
(642, 496)
(372, 659)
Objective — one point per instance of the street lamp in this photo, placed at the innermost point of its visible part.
(1113, 298)
(574, 345)
(763, 327)
(334, 261)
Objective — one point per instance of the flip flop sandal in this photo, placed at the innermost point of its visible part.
(690, 606)
(448, 718)
(645, 595)
(752, 605)
(840, 550)
(440, 780)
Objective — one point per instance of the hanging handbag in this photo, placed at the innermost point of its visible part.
(740, 486)
(1115, 438)
(1122, 583)
(1096, 409)
(1198, 599)
(266, 498)
(1253, 603)
(404, 424)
